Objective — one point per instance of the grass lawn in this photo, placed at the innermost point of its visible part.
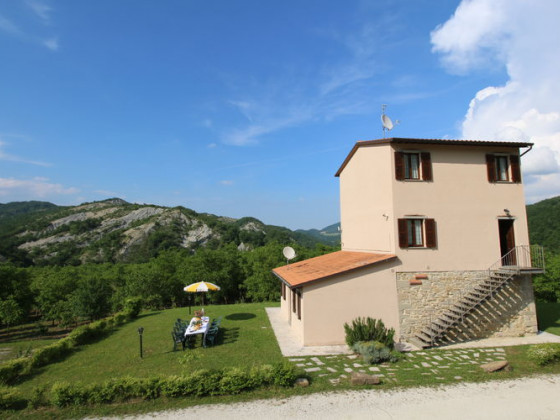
(247, 340)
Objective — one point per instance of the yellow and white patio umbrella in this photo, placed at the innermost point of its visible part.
(200, 287)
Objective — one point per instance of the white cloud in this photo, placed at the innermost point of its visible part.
(227, 182)
(37, 187)
(11, 158)
(40, 9)
(521, 37)
(9, 27)
(51, 44)
(30, 32)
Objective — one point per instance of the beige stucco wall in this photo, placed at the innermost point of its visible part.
(464, 204)
(330, 303)
(286, 309)
(365, 197)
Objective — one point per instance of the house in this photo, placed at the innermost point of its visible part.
(434, 242)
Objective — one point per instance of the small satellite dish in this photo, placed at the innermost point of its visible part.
(289, 253)
(387, 123)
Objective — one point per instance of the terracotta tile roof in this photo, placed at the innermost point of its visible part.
(401, 140)
(327, 265)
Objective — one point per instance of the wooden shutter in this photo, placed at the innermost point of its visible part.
(399, 166)
(298, 304)
(491, 167)
(403, 233)
(294, 300)
(426, 160)
(283, 290)
(431, 234)
(515, 168)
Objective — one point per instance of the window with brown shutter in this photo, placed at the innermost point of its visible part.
(503, 168)
(431, 236)
(426, 166)
(283, 290)
(298, 293)
(417, 233)
(491, 168)
(515, 168)
(413, 166)
(294, 301)
(399, 166)
(403, 235)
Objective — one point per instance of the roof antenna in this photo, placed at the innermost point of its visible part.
(386, 121)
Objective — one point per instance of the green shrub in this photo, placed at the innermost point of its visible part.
(11, 399)
(544, 354)
(368, 329)
(132, 307)
(38, 397)
(12, 369)
(150, 388)
(284, 374)
(113, 390)
(374, 352)
(65, 394)
(234, 381)
(51, 353)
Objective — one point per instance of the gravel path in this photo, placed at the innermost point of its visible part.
(526, 398)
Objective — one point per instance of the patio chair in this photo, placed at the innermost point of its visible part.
(177, 338)
(210, 336)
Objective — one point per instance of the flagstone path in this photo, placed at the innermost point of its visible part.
(441, 365)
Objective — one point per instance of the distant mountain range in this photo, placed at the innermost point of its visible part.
(113, 230)
(36, 232)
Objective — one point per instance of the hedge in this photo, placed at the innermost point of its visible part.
(198, 383)
(15, 369)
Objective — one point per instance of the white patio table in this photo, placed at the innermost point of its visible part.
(193, 329)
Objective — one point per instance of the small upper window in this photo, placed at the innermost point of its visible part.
(503, 168)
(413, 166)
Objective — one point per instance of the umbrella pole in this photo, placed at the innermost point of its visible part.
(189, 304)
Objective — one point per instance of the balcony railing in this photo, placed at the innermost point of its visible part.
(526, 258)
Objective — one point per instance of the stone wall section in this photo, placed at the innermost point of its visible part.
(425, 296)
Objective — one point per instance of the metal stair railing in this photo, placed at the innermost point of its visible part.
(520, 258)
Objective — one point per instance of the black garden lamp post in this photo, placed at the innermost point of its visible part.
(140, 331)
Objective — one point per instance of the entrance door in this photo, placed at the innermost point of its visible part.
(507, 241)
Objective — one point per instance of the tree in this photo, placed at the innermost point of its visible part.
(547, 286)
(15, 294)
(11, 312)
(91, 299)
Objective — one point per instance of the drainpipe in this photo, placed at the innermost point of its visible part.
(526, 151)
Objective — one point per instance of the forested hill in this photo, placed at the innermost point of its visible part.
(40, 233)
(544, 224)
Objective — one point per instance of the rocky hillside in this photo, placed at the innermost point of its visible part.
(114, 230)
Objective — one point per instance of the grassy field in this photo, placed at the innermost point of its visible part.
(248, 340)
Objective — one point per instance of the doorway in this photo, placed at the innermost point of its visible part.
(507, 241)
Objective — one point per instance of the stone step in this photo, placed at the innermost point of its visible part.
(418, 343)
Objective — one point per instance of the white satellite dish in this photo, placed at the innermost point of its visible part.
(386, 121)
(289, 253)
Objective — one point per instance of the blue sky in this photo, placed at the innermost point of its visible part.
(248, 108)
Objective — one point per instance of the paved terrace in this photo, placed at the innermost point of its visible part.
(290, 346)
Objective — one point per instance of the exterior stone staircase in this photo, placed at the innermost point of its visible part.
(520, 260)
